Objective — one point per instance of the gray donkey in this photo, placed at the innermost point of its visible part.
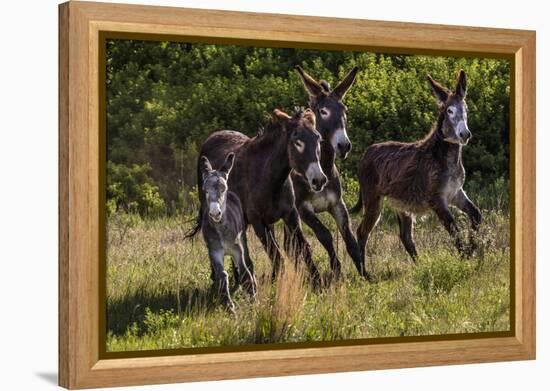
(223, 229)
(419, 176)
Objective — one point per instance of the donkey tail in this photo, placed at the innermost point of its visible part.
(358, 205)
(196, 228)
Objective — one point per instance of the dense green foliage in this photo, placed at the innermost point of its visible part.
(164, 99)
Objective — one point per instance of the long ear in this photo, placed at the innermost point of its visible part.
(341, 89)
(206, 167)
(461, 86)
(309, 116)
(228, 163)
(280, 115)
(440, 92)
(310, 84)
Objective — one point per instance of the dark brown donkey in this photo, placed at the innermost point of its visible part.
(426, 174)
(331, 123)
(260, 177)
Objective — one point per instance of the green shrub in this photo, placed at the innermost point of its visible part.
(131, 190)
(165, 98)
(157, 323)
(441, 274)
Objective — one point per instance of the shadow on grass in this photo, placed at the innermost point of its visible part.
(123, 313)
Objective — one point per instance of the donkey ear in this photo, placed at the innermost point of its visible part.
(310, 84)
(440, 92)
(228, 163)
(280, 115)
(206, 167)
(341, 89)
(309, 117)
(461, 86)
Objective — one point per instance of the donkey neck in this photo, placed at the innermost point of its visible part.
(328, 158)
(272, 149)
(442, 150)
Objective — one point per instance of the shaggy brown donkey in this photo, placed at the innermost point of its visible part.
(416, 177)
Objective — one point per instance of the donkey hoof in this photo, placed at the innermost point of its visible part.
(336, 275)
(466, 251)
(369, 277)
(250, 288)
(316, 279)
(230, 306)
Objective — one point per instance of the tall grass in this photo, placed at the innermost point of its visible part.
(159, 292)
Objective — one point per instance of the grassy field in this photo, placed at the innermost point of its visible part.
(159, 295)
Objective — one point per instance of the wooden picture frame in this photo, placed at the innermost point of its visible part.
(81, 25)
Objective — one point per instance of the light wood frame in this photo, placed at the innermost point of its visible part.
(80, 26)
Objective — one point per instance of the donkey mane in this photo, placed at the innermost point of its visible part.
(273, 125)
(434, 134)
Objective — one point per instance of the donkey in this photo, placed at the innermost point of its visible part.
(223, 228)
(416, 177)
(331, 124)
(260, 178)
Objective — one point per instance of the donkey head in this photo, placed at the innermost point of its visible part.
(329, 109)
(303, 146)
(453, 107)
(215, 186)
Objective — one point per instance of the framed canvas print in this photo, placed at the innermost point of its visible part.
(247, 195)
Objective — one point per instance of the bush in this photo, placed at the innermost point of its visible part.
(131, 190)
(165, 98)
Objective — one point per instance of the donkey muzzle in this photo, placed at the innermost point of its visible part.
(318, 184)
(462, 132)
(465, 136)
(215, 212)
(316, 177)
(340, 143)
(343, 149)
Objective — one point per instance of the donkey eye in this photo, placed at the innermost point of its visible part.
(300, 145)
(324, 112)
(450, 111)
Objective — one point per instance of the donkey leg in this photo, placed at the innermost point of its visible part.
(287, 241)
(323, 235)
(265, 234)
(462, 202)
(292, 222)
(406, 224)
(245, 277)
(220, 275)
(247, 259)
(373, 209)
(340, 214)
(446, 218)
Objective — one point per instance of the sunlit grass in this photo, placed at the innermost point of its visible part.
(159, 292)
